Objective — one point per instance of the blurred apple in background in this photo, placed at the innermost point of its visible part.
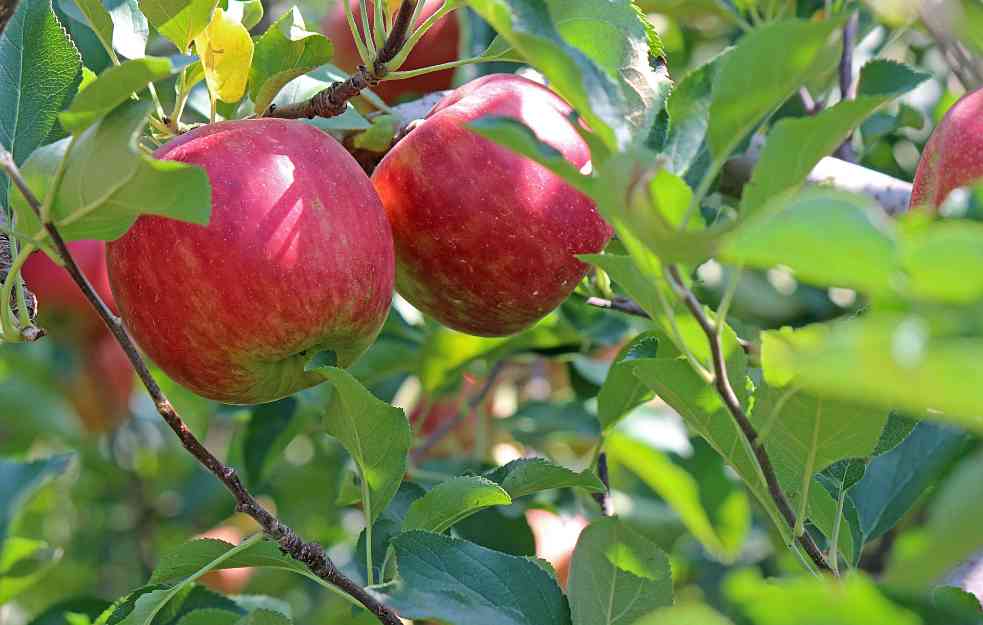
(556, 536)
(440, 45)
(227, 581)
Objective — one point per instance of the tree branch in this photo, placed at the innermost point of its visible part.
(847, 86)
(730, 399)
(311, 554)
(603, 499)
(333, 101)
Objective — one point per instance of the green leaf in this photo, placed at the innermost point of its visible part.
(619, 39)
(23, 562)
(451, 580)
(453, 500)
(616, 575)
(690, 614)
(853, 600)
(19, 481)
(594, 93)
(804, 434)
(285, 51)
(894, 482)
(41, 69)
(857, 249)
(375, 434)
(248, 13)
(387, 526)
(622, 392)
(113, 87)
(378, 138)
(527, 476)
(210, 616)
(180, 21)
(934, 260)
(681, 491)
(108, 182)
(264, 617)
(98, 18)
(148, 605)
(755, 78)
(127, 31)
(796, 145)
(674, 380)
(57, 613)
(271, 428)
(922, 556)
(686, 146)
(892, 360)
(192, 556)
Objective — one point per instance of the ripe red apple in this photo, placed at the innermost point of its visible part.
(485, 238)
(227, 581)
(297, 260)
(953, 156)
(440, 45)
(60, 301)
(100, 391)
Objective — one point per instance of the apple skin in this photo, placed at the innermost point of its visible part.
(556, 538)
(485, 238)
(440, 45)
(297, 259)
(100, 391)
(953, 156)
(60, 301)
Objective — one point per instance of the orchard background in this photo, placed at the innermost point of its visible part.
(730, 363)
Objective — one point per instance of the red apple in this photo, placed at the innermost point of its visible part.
(100, 392)
(227, 581)
(556, 537)
(440, 45)
(953, 156)
(297, 260)
(60, 301)
(486, 239)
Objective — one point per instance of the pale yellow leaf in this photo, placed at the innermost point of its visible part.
(226, 52)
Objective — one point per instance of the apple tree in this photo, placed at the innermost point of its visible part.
(491, 312)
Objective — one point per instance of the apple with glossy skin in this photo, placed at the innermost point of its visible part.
(953, 156)
(486, 239)
(440, 45)
(60, 300)
(296, 260)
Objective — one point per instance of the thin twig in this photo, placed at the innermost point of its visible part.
(847, 86)
(438, 435)
(629, 306)
(733, 404)
(311, 554)
(333, 101)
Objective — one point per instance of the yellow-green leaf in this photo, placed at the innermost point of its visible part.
(226, 52)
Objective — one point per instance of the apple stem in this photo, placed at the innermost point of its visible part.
(726, 392)
(333, 101)
(311, 554)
